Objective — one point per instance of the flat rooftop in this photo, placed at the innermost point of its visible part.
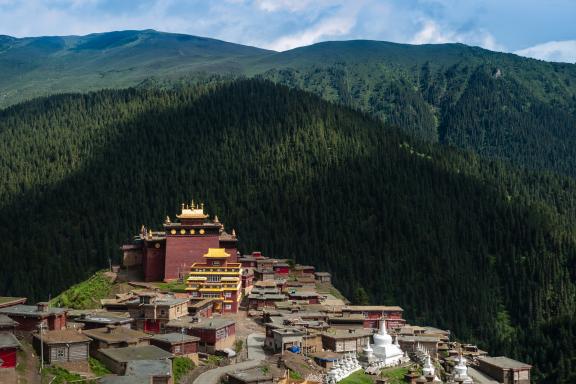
(141, 352)
(212, 324)
(8, 340)
(369, 308)
(115, 335)
(5, 321)
(30, 310)
(63, 336)
(175, 338)
(6, 301)
(504, 362)
(345, 334)
(147, 368)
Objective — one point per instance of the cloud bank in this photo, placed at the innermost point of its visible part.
(560, 51)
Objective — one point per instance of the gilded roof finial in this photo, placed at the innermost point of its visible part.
(216, 219)
(167, 219)
(182, 206)
(234, 233)
(192, 206)
(202, 206)
(150, 234)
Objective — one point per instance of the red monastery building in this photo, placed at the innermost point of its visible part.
(169, 254)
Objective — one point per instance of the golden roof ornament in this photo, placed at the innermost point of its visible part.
(167, 220)
(150, 234)
(216, 219)
(234, 233)
(192, 212)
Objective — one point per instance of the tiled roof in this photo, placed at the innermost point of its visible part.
(63, 336)
(142, 352)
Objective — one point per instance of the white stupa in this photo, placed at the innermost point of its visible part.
(461, 371)
(428, 370)
(387, 352)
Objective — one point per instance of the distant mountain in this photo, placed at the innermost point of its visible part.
(475, 246)
(499, 105)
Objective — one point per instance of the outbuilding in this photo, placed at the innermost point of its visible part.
(62, 345)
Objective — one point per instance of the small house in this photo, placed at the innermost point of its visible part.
(62, 345)
(7, 324)
(323, 277)
(114, 337)
(176, 343)
(9, 347)
(214, 334)
(504, 369)
(29, 316)
(117, 359)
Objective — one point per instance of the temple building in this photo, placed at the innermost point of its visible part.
(168, 254)
(216, 278)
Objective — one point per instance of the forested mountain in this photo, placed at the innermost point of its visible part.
(476, 246)
(499, 105)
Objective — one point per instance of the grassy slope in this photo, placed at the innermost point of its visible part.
(86, 294)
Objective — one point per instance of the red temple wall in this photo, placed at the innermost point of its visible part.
(153, 264)
(184, 251)
(8, 357)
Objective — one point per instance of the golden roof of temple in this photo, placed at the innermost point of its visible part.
(192, 211)
(216, 253)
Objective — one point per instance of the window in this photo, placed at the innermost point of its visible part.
(215, 262)
(60, 352)
(177, 349)
(228, 306)
(227, 294)
(162, 312)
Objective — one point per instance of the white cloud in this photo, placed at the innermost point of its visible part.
(560, 51)
(432, 33)
(336, 26)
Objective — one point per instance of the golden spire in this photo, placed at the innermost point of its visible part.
(182, 206)
(150, 234)
(234, 233)
(202, 206)
(192, 205)
(216, 219)
(167, 220)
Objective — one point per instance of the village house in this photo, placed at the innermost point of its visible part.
(261, 274)
(301, 270)
(176, 343)
(504, 369)
(308, 296)
(201, 308)
(247, 280)
(339, 340)
(262, 374)
(103, 319)
(323, 277)
(7, 324)
(114, 337)
(117, 359)
(151, 371)
(429, 342)
(249, 261)
(215, 334)
(152, 312)
(9, 347)
(373, 313)
(281, 269)
(61, 345)
(287, 337)
(29, 317)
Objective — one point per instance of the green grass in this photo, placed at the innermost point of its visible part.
(396, 375)
(57, 375)
(85, 295)
(97, 367)
(180, 367)
(22, 362)
(358, 377)
(295, 375)
(172, 286)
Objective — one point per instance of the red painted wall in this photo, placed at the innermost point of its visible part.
(186, 250)
(152, 326)
(8, 355)
(153, 263)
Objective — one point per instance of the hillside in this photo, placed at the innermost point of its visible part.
(499, 105)
(463, 243)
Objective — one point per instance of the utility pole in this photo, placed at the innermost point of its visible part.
(182, 342)
(41, 347)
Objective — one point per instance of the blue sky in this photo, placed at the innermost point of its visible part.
(542, 29)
